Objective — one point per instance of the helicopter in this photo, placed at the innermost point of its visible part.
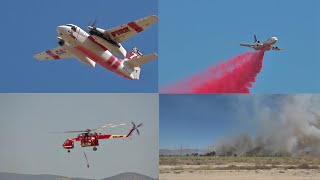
(90, 137)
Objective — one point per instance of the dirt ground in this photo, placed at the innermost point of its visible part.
(273, 174)
(240, 168)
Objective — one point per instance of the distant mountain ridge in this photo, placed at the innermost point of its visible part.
(177, 152)
(129, 176)
(122, 176)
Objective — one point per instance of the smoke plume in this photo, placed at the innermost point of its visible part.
(233, 76)
(289, 126)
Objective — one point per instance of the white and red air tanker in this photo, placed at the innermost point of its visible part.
(263, 46)
(97, 45)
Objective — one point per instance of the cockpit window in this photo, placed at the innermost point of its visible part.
(74, 28)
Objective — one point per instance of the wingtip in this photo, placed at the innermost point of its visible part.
(154, 17)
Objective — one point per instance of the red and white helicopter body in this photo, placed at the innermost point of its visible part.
(97, 45)
(88, 139)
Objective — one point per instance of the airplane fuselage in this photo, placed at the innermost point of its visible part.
(87, 50)
(266, 45)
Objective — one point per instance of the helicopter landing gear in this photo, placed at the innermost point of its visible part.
(94, 148)
(68, 151)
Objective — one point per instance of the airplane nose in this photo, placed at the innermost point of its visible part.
(275, 38)
(60, 30)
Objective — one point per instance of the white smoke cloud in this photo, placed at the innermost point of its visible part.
(285, 125)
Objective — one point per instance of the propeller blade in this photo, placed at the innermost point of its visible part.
(138, 132)
(93, 23)
(134, 125)
(139, 125)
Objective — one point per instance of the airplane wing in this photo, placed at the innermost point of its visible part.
(247, 45)
(275, 48)
(124, 32)
(53, 54)
(138, 62)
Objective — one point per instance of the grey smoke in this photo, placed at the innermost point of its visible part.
(286, 125)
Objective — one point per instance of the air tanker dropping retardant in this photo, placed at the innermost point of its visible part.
(263, 46)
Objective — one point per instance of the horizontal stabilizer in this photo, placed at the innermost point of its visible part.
(138, 62)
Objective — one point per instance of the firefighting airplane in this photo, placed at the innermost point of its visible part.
(263, 46)
(95, 47)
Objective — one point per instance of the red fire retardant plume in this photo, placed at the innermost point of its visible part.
(233, 76)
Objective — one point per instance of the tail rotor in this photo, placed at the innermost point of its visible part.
(135, 127)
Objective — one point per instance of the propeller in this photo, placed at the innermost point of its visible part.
(136, 127)
(93, 23)
(91, 27)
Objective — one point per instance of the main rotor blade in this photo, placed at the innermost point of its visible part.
(108, 126)
(69, 132)
(102, 127)
(117, 125)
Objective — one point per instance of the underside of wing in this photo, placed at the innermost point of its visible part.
(53, 54)
(276, 48)
(247, 45)
(124, 32)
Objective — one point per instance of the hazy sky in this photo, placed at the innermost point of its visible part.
(195, 35)
(31, 29)
(197, 121)
(27, 147)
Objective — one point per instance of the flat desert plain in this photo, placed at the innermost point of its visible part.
(246, 168)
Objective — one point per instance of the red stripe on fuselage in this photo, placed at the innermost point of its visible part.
(94, 41)
(134, 26)
(117, 64)
(52, 55)
(111, 59)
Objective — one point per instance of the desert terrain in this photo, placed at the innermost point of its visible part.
(246, 168)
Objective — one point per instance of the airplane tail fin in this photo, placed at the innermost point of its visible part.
(255, 38)
(135, 59)
(134, 53)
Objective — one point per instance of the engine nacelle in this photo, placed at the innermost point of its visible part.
(116, 48)
(275, 48)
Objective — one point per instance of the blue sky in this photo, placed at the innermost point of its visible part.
(198, 121)
(29, 27)
(26, 119)
(194, 35)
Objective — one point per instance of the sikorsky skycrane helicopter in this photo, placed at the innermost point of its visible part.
(90, 138)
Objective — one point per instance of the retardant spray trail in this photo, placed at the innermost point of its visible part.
(233, 76)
